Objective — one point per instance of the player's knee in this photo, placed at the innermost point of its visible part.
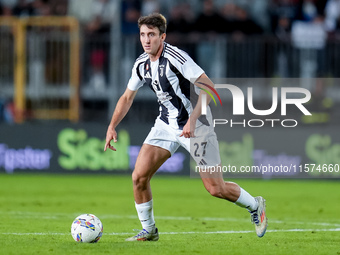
(139, 180)
(215, 191)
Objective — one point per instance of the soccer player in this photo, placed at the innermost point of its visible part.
(172, 75)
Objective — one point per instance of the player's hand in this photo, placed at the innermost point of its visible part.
(111, 134)
(188, 130)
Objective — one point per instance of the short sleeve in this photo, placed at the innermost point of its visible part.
(136, 81)
(184, 63)
(190, 70)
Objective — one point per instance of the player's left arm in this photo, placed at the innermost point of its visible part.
(189, 127)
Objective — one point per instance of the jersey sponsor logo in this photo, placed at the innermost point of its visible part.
(163, 97)
(156, 86)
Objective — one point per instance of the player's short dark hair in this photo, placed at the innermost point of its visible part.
(153, 20)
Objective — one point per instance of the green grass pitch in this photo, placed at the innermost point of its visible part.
(37, 212)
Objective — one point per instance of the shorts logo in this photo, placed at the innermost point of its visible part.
(202, 162)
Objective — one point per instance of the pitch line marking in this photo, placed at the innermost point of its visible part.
(194, 232)
(220, 219)
(184, 218)
(238, 231)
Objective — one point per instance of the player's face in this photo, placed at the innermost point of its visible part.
(151, 39)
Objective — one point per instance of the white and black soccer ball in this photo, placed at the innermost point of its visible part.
(87, 228)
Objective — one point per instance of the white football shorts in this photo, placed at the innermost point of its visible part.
(203, 148)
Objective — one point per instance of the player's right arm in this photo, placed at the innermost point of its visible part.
(123, 106)
(125, 101)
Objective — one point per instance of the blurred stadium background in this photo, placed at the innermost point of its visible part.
(64, 64)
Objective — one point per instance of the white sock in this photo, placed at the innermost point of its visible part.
(246, 201)
(145, 215)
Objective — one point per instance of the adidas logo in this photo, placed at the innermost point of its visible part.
(202, 162)
(147, 76)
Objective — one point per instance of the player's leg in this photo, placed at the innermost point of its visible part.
(217, 187)
(205, 151)
(214, 183)
(149, 159)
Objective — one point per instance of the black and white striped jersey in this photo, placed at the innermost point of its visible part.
(169, 77)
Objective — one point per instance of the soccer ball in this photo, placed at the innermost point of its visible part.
(87, 228)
